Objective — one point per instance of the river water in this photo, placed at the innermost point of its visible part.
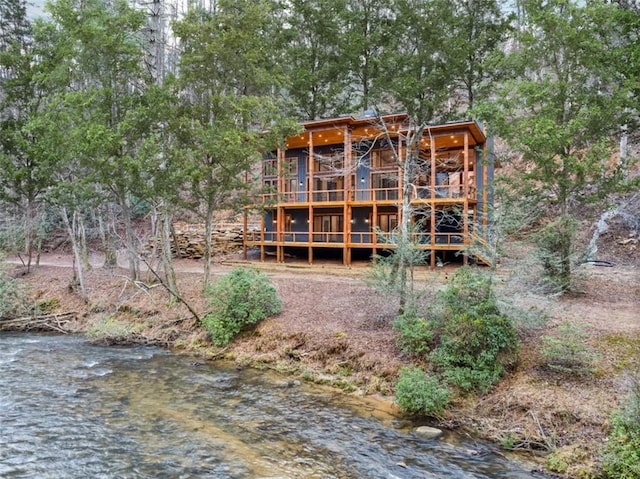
(70, 409)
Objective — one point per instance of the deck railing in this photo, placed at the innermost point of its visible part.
(359, 238)
(369, 194)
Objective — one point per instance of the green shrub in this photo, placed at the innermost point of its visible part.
(242, 298)
(556, 253)
(621, 459)
(419, 393)
(475, 349)
(566, 351)
(415, 334)
(13, 302)
(464, 334)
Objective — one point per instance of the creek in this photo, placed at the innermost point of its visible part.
(71, 409)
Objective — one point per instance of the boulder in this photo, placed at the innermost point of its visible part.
(428, 432)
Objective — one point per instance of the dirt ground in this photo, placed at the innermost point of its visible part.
(334, 329)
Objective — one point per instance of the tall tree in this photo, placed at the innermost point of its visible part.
(317, 64)
(101, 47)
(562, 112)
(24, 176)
(227, 81)
(365, 43)
(479, 32)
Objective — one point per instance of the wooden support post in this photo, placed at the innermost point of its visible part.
(433, 204)
(310, 233)
(485, 188)
(262, 227)
(346, 249)
(346, 181)
(310, 190)
(374, 228)
(465, 208)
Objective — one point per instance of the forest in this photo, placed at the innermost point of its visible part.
(113, 110)
(116, 114)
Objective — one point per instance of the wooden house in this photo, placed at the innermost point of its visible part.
(337, 186)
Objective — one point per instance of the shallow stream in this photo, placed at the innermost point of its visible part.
(70, 409)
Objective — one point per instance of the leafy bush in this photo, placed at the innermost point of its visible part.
(566, 352)
(419, 393)
(556, 252)
(13, 302)
(465, 335)
(415, 334)
(621, 458)
(243, 297)
(475, 348)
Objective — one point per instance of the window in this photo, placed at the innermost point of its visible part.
(290, 166)
(270, 167)
(387, 222)
(329, 162)
(383, 158)
(270, 185)
(328, 188)
(386, 186)
(328, 228)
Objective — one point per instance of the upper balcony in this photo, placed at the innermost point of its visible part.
(420, 194)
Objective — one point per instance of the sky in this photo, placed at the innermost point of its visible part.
(35, 8)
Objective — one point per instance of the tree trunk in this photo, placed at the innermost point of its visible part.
(108, 232)
(84, 252)
(77, 260)
(28, 232)
(132, 252)
(167, 257)
(208, 227)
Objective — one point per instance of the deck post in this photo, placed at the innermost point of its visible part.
(432, 232)
(465, 208)
(262, 227)
(310, 198)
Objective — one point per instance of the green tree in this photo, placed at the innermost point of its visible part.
(560, 112)
(365, 45)
(315, 61)
(478, 34)
(228, 76)
(24, 177)
(100, 55)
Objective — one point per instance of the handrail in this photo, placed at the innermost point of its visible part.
(368, 194)
(358, 237)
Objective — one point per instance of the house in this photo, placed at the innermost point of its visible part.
(337, 187)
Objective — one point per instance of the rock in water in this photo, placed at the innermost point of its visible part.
(428, 432)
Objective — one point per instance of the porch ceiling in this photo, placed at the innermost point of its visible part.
(450, 135)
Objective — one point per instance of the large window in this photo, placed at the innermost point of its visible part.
(290, 166)
(383, 158)
(386, 185)
(328, 188)
(387, 222)
(270, 167)
(328, 228)
(329, 162)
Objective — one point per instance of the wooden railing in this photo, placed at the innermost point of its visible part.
(370, 194)
(363, 238)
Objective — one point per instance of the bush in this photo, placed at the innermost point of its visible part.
(556, 253)
(469, 339)
(621, 459)
(13, 302)
(415, 334)
(419, 393)
(243, 297)
(566, 352)
(475, 349)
